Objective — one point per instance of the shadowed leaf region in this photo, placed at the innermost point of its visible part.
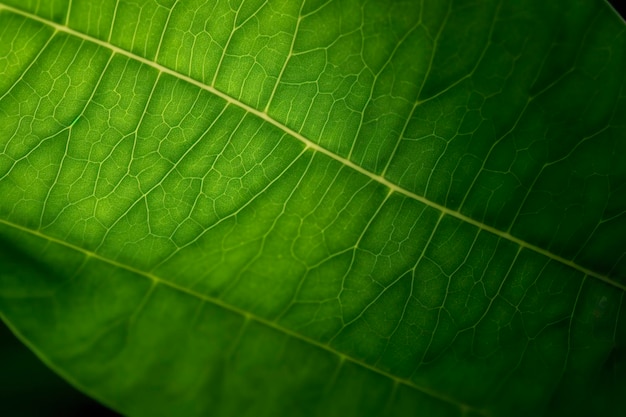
(318, 208)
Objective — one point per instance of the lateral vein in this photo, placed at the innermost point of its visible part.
(229, 307)
(314, 146)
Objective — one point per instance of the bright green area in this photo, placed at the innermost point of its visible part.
(338, 208)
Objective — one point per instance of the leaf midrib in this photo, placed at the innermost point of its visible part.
(247, 315)
(311, 145)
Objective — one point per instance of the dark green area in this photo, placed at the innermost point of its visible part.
(28, 388)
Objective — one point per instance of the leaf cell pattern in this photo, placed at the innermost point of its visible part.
(312, 208)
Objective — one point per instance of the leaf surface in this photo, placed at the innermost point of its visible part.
(340, 208)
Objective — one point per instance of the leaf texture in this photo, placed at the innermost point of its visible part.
(305, 208)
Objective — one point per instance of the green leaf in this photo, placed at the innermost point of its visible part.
(320, 208)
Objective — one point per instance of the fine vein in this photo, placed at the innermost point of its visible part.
(228, 307)
(311, 145)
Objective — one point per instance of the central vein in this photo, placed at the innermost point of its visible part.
(317, 148)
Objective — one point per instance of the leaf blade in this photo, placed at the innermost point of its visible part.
(253, 235)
